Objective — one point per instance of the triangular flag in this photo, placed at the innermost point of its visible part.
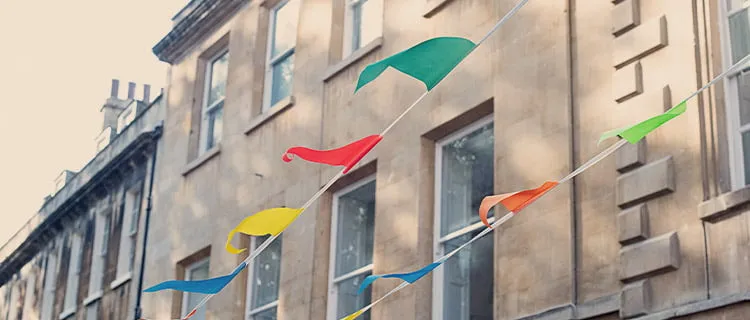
(346, 156)
(353, 315)
(514, 201)
(636, 132)
(429, 61)
(269, 221)
(410, 277)
(207, 286)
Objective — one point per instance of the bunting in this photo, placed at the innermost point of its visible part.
(408, 277)
(346, 156)
(269, 221)
(514, 201)
(428, 62)
(636, 132)
(208, 286)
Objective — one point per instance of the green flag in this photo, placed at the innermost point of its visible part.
(636, 132)
(429, 61)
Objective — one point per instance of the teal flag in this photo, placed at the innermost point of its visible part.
(636, 132)
(429, 61)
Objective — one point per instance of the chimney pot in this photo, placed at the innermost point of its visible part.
(115, 88)
(131, 90)
(146, 93)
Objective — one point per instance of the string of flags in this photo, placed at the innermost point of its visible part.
(428, 62)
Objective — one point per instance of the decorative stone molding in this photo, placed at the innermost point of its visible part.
(635, 299)
(640, 42)
(631, 156)
(627, 82)
(633, 225)
(625, 16)
(650, 257)
(647, 182)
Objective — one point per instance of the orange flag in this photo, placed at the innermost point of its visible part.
(514, 201)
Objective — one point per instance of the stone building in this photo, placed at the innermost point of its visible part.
(660, 230)
(79, 256)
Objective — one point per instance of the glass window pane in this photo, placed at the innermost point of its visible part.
(269, 314)
(371, 20)
(356, 223)
(215, 126)
(468, 279)
(198, 273)
(466, 177)
(357, 25)
(266, 272)
(282, 79)
(736, 4)
(743, 88)
(739, 32)
(217, 88)
(349, 301)
(284, 32)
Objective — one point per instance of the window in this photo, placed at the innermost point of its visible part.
(263, 284)
(74, 270)
(101, 222)
(213, 101)
(736, 39)
(352, 227)
(363, 23)
(130, 212)
(92, 311)
(282, 38)
(464, 175)
(196, 271)
(50, 276)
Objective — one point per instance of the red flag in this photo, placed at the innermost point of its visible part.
(514, 201)
(346, 156)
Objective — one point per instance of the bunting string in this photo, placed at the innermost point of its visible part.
(459, 54)
(540, 191)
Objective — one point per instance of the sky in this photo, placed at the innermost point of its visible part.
(58, 59)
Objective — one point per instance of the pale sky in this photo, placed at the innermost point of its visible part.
(58, 59)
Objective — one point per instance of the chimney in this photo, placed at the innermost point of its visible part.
(115, 88)
(131, 90)
(146, 93)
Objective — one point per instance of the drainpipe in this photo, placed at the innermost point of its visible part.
(149, 205)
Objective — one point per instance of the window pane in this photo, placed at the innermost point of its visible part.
(356, 223)
(92, 310)
(135, 212)
(743, 88)
(284, 32)
(215, 125)
(372, 21)
(348, 299)
(282, 79)
(269, 314)
(357, 25)
(217, 89)
(736, 4)
(466, 177)
(198, 273)
(739, 31)
(266, 274)
(468, 279)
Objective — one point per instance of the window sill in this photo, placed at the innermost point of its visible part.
(67, 313)
(352, 58)
(120, 281)
(275, 110)
(200, 160)
(724, 204)
(92, 298)
(433, 6)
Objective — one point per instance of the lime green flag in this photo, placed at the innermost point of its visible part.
(636, 132)
(429, 61)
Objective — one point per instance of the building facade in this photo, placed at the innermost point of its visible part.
(657, 231)
(79, 257)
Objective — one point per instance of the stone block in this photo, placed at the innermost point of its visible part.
(631, 156)
(633, 225)
(656, 255)
(627, 82)
(647, 182)
(625, 16)
(635, 299)
(640, 42)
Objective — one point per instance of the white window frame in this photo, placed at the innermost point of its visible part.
(349, 26)
(188, 276)
(96, 276)
(249, 312)
(47, 311)
(73, 276)
(333, 281)
(125, 258)
(438, 251)
(731, 96)
(205, 108)
(271, 60)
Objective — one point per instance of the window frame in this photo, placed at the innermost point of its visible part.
(731, 96)
(438, 239)
(207, 109)
(349, 26)
(74, 274)
(188, 276)
(270, 60)
(249, 311)
(333, 281)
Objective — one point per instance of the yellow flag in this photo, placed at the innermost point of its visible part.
(270, 221)
(353, 315)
